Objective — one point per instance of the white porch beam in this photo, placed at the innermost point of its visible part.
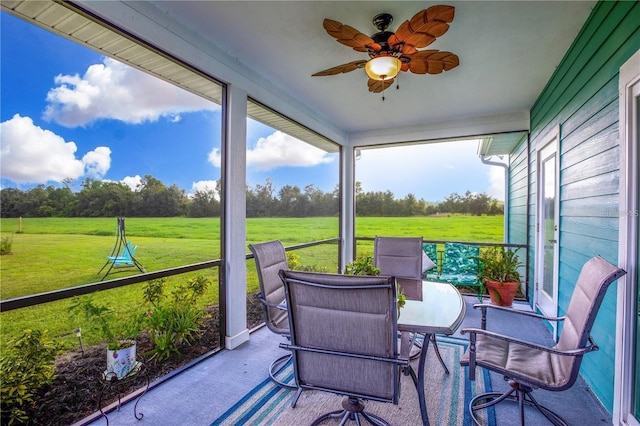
(444, 130)
(235, 212)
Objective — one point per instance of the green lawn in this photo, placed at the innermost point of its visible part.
(55, 253)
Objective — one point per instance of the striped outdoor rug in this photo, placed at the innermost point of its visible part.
(447, 397)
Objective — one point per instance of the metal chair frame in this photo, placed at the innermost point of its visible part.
(259, 252)
(595, 277)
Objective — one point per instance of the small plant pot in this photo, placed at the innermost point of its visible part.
(502, 294)
(121, 361)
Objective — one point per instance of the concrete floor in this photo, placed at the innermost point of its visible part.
(200, 394)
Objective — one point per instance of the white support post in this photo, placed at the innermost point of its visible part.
(348, 203)
(236, 332)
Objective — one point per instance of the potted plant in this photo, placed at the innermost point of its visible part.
(363, 265)
(499, 274)
(121, 346)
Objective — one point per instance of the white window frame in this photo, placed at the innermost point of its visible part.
(629, 89)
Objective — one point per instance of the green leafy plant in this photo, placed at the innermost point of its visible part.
(293, 260)
(26, 366)
(6, 245)
(175, 319)
(499, 264)
(104, 323)
(362, 265)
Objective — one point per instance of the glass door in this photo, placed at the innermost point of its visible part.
(627, 403)
(546, 283)
(634, 213)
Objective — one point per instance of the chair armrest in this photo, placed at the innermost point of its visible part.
(484, 307)
(282, 305)
(473, 332)
(573, 352)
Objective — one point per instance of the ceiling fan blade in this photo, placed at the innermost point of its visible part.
(432, 62)
(424, 27)
(377, 86)
(344, 68)
(349, 36)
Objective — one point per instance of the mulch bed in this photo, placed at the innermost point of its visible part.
(75, 392)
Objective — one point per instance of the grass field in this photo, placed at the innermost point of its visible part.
(54, 253)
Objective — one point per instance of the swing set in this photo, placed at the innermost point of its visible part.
(122, 255)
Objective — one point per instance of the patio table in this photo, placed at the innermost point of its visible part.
(435, 308)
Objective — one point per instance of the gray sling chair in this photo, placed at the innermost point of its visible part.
(527, 366)
(344, 339)
(270, 258)
(401, 257)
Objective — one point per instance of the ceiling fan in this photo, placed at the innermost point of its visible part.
(389, 53)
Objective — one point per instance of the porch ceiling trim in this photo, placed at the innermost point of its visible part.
(464, 128)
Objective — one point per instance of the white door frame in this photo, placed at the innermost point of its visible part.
(549, 146)
(626, 319)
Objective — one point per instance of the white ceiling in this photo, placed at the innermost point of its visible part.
(508, 50)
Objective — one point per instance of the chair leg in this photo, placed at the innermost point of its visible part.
(517, 393)
(276, 366)
(414, 341)
(353, 410)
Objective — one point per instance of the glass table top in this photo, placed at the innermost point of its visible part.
(441, 310)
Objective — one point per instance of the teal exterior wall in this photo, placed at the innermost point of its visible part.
(582, 98)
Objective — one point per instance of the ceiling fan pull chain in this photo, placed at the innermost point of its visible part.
(383, 88)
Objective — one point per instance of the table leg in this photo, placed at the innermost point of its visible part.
(420, 384)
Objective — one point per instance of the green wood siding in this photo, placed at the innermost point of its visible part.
(517, 213)
(582, 97)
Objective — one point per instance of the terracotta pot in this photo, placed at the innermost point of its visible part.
(502, 294)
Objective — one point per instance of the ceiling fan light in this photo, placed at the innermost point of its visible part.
(383, 67)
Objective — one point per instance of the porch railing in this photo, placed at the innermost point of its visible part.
(439, 259)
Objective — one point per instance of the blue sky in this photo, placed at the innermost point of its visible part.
(69, 112)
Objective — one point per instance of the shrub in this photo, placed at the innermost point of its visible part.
(6, 245)
(293, 260)
(26, 366)
(362, 265)
(173, 320)
(103, 322)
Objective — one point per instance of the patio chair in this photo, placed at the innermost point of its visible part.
(270, 258)
(344, 339)
(528, 366)
(401, 257)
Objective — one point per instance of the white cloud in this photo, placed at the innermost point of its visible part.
(30, 154)
(278, 150)
(496, 183)
(215, 157)
(132, 182)
(97, 162)
(205, 186)
(112, 90)
(428, 171)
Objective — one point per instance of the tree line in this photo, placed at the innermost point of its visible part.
(152, 198)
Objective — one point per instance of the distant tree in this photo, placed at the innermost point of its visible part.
(293, 202)
(204, 203)
(261, 201)
(103, 199)
(12, 202)
(156, 200)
